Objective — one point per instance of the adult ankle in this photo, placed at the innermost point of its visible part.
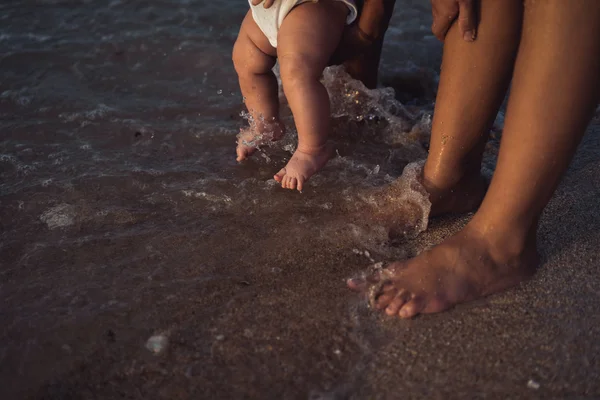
(442, 179)
(507, 241)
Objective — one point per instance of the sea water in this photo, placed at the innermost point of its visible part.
(122, 208)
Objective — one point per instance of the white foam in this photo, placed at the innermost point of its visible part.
(97, 113)
(412, 192)
(59, 216)
(215, 198)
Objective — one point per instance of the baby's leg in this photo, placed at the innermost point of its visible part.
(307, 38)
(254, 58)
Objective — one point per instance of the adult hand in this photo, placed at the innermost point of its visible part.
(445, 12)
(266, 3)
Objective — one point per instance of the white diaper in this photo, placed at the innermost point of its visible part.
(269, 19)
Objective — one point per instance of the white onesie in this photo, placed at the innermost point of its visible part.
(269, 19)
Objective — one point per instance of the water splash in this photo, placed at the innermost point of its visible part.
(412, 200)
(357, 112)
(351, 98)
(383, 136)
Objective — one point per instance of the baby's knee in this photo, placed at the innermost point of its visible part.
(248, 60)
(298, 68)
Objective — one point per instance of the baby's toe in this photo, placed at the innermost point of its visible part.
(293, 183)
(286, 182)
(280, 175)
(241, 154)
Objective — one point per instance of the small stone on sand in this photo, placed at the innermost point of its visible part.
(157, 343)
(531, 384)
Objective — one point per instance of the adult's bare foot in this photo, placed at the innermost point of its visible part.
(303, 164)
(467, 266)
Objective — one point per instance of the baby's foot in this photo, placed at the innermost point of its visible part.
(302, 166)
(250, 139)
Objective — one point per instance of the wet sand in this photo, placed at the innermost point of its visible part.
(123, 216)
(539, 340)
(279, 323)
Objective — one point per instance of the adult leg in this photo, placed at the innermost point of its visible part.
(473, 81)
(253, 59)
(373, 22)
(554, 93)
(303, 51)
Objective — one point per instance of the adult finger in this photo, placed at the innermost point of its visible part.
(268, 3)
(467, 20)
(255, 2)
(442, 21)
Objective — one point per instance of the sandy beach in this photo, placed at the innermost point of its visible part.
(138, 260)
(283, 325)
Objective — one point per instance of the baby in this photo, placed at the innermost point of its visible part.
(302, 35)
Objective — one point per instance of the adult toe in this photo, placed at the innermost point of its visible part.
(413, 307)
(397, 302)
(384, 296)
(357, 284)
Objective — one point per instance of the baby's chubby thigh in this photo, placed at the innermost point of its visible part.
(252, 50)
(304, 48)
